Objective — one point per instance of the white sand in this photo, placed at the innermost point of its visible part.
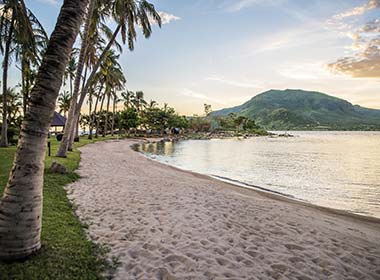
(164, 223)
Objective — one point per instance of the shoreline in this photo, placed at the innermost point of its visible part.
(162, 222)
(261, 190)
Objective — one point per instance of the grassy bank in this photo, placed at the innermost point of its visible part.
(65, 252)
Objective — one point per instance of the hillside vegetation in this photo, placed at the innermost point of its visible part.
(305, 110)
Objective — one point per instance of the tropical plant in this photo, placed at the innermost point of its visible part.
(128, 98)
(127, 14)
(21, 204)
(64, 100)
(71, 70)
(17, 37)
(129, 119)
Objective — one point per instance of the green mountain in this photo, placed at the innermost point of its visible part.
(305, 110)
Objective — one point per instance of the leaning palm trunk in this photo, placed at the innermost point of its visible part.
(93, 116)
(4, 125)
(21, 205)
(106, 121)
(72, 117)
(89, 115)
(98, 118)
(113, 116)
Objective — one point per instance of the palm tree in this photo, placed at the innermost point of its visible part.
(71, 69)
(128, 97)
(21, 204)
(128, 14)
(116, 100)
(30, 55)
(64, 100)
(140, 102)
(114, 80)
(14, 106)
(71, 120)
(152, 104)
(16, 29)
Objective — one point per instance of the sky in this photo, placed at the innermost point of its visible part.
(224, 52)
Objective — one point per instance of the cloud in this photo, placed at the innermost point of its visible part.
(51, 2)
(167, 18)
(250, 84)
(201, 96)
(306, 71)
(371, 27)
(238, 5)
(359, 10)
(365, 61)
(346, 20)
(365, 64)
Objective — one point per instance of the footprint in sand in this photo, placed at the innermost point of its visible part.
(294, 247)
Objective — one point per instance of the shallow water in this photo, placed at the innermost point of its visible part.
(335, 169)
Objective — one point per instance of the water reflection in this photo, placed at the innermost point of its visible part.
(334, 169)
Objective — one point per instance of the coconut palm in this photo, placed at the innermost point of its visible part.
(139, 101)
(114, 80)
(71, 70)
(64, 100)
(21, 204)
(128, 98)
(116, 100)
(152, 104)
(127, 14)
(16, 29)
(29, 55)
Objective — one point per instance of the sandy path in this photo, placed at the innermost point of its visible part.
(163, 223)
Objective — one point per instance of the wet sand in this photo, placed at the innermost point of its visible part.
(165, 223)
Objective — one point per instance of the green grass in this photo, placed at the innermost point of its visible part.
(66, 253)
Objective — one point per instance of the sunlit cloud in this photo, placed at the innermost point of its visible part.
(365, 64)
(241, 84)
(201, 96)
(51, 2)
(167, 18)
(304, 71)
(238, 5)
(359, 10)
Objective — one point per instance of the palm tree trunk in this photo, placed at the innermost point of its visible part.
(98, 118)
(93, 114)
(4, 126)
(21, 205)
(71, 119)
(75, 133)
(89, 115)
(113, 115)
(106, 120)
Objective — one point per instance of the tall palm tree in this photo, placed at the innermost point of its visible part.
(21, 205)
(116, 100)
(14, 106)
(114, 80)
(64, 100)
(30, 55)
(71, 70)
(152, 104)
(72, 119)
(127, 14)
(140, 101)
(16, 29)
(128, 97)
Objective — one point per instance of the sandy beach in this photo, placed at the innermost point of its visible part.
(165, 223)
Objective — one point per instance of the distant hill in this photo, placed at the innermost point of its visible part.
(305, 110)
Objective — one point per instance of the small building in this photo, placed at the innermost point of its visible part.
(58, 123)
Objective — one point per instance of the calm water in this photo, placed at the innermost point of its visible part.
(335, 169)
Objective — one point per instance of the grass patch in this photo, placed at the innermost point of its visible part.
(66, 253)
